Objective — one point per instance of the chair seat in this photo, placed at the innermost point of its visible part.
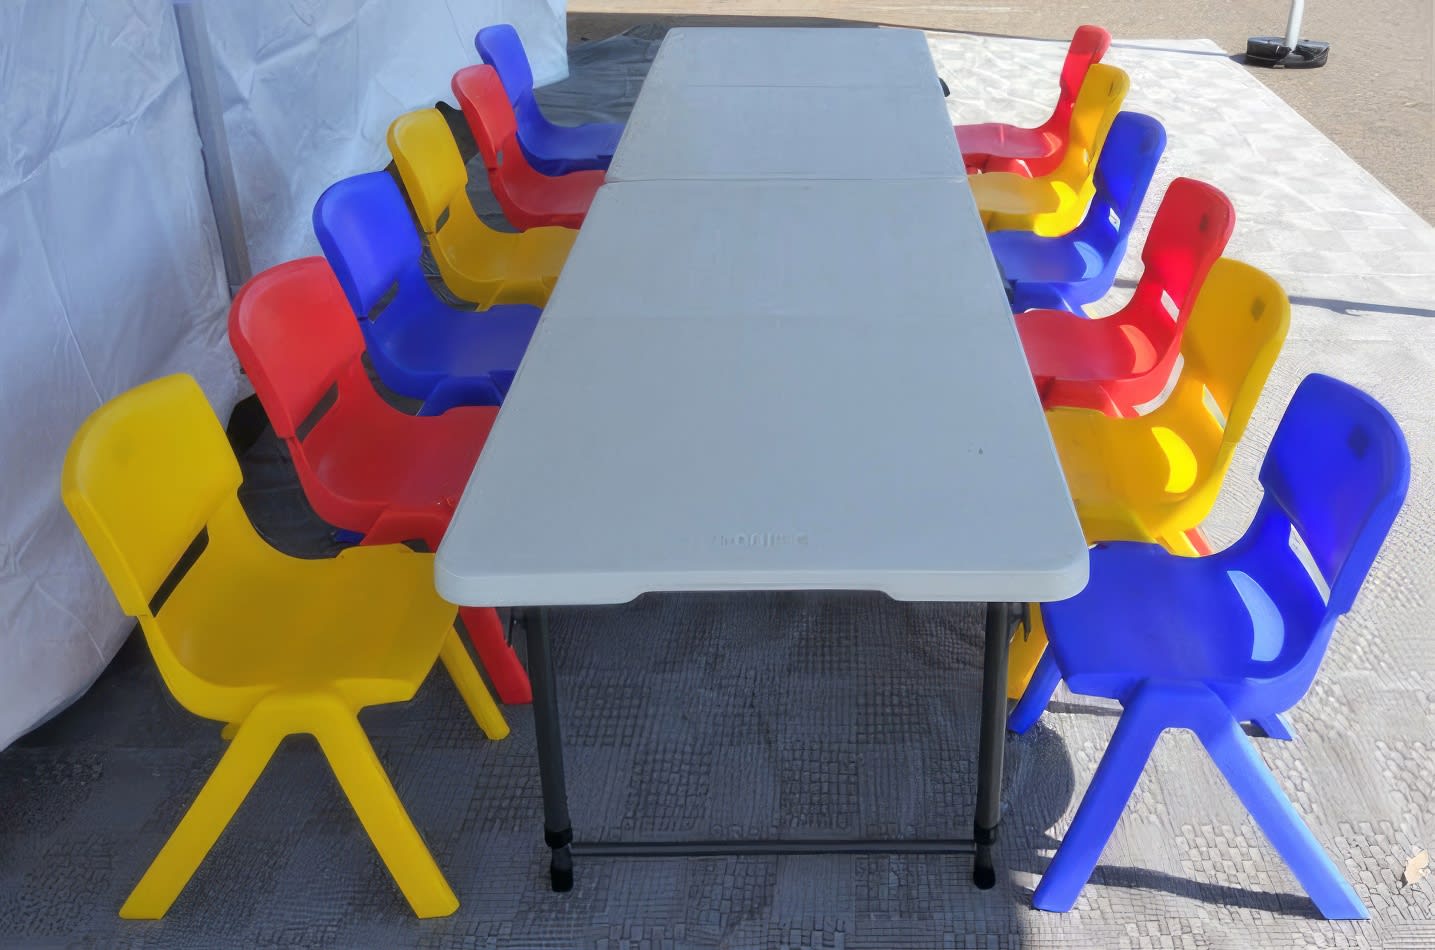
(560, 149)
(999, 140)
(366, 623)
(1065, 346)
(413, 467)
(1147, 614)
(1045, 206)
(1137, 499)
(492, 267)
(1026, 258)
(443, 342)
(544, 200)
(540, 255)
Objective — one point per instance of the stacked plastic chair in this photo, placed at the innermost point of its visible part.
(1123, 361)
(477, 262)
(365, 466)
(528, 197)
(272, 645)
(1207, 643)
(998, 147)
(422, 347)
(1078, 268)
(550, 148)
(1054, 203)
(1155, 477)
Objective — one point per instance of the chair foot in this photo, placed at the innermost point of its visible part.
(367, 785)
(253, 744)
(485, 632)
(470, 686)
(1236, 756)
(1121, 766)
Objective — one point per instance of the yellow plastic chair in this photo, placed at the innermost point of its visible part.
(1155, 477)
(1055, 203)
(242, 634)
(476, 262)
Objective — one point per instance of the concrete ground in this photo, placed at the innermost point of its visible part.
(1375, 98)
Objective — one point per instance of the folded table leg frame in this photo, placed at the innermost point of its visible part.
(558, 827)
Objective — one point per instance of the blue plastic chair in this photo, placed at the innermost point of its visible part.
(551, 149)
(421, 346)
(1062, 273)
(1207, 643)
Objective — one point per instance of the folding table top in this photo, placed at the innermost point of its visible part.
(750, 385)
(889, 252)
(796, 56)
(809, 132)
(789, 103)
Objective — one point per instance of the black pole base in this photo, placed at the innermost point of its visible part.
(560, 870)
(1271, 51)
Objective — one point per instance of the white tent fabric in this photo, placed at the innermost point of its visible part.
(110, 267)
(310, 88)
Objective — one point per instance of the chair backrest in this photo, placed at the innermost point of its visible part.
(369, 237)
(1096, 107)
(142, 478)
(429, 164)
(1335, 477)
(501, 47)
(1123, 176)
(1188, 234)
(296, 338)
(1088, 45)
(1234, 336)
(490, 115)
(1337, 472)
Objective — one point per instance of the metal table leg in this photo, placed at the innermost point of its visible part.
(993, 743)
(557, 827)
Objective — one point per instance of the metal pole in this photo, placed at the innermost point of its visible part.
(1293, 24)
(557, 826)
(992, 744)
(1289, 51)
(209, 121)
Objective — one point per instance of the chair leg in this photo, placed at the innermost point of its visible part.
(485, 631)
(364, 781)
(1197, 540)
(1038, 693)
(1242, 766)
(1141, 725)
(253, 745)
(1274, 726)
(1027, 648)
(470, 686)
(1180, 543)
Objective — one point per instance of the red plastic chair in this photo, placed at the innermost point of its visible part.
(529, 198)
(995, 146)
(365, 465)
(1116, 363)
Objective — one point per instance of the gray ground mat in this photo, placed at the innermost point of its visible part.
(823, 714)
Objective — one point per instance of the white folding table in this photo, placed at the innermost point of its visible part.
(808, 132)
(789, 103)
(793, 56)
(771, 384)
